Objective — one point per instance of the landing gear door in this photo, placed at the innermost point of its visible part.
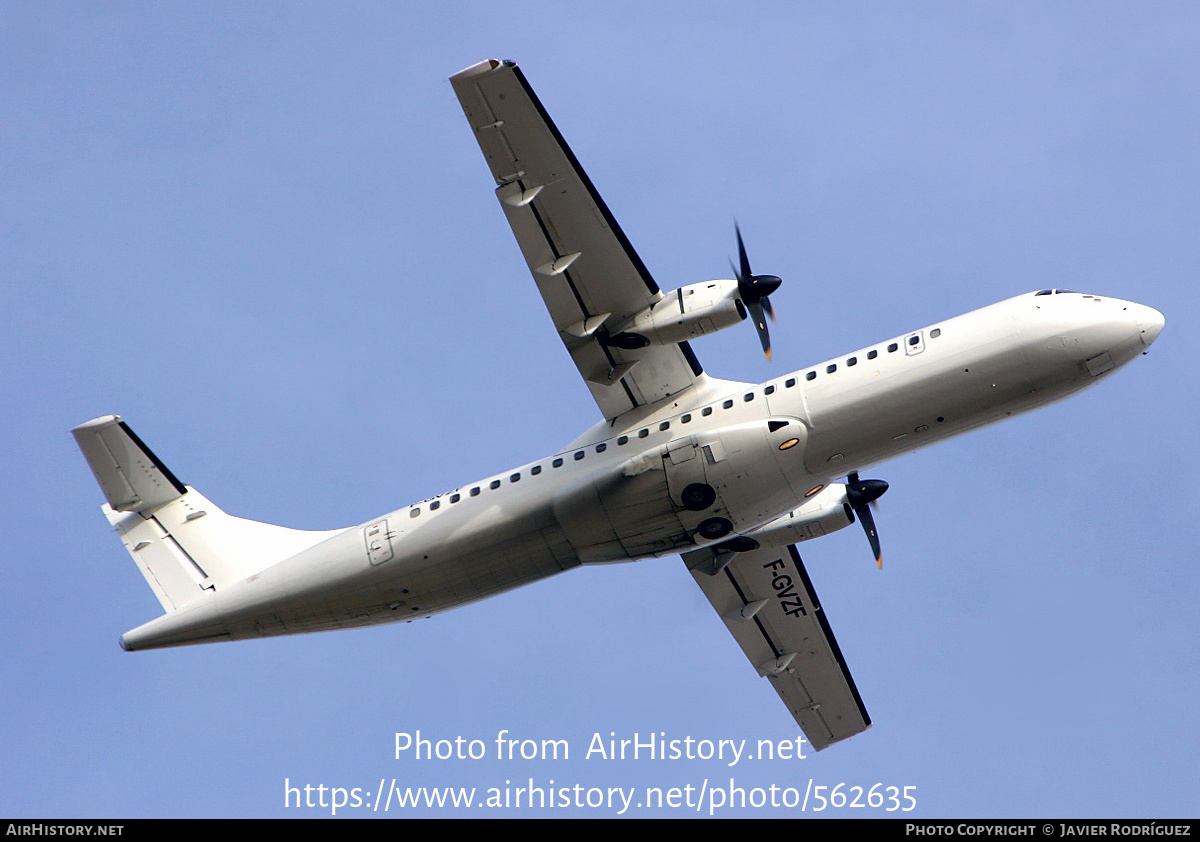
(691, 490)
(684, 465)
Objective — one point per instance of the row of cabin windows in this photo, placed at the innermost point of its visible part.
(666, 425)
(434, 505)
(892, 348)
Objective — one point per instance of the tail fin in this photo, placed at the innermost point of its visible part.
(183, 544)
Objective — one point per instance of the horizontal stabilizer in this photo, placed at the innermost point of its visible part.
(184, 545)
(132, 478)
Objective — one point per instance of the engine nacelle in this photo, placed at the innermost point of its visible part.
(826, 511)
(684, 314)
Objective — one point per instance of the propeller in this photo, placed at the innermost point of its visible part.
(860, 496)
(753, 290)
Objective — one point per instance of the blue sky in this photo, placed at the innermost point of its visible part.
(265, 236)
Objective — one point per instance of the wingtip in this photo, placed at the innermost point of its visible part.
(102, 421)
(479, 68)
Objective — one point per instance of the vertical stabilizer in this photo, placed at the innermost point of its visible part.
(184, 545)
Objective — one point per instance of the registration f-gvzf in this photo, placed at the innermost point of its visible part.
(729, 475)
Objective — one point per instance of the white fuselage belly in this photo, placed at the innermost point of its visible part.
(616, 498)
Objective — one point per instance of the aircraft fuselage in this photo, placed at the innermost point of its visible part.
(619, 492)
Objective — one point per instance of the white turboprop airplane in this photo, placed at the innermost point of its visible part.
(731, 475)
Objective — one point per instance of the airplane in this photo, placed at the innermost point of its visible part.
(730, 475)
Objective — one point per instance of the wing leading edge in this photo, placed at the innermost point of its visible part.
(589, 275)
(769, 605)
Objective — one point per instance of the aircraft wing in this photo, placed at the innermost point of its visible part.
(770, 607)
(589, 275)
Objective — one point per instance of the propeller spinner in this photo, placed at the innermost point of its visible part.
(860, 494)
(753, 290)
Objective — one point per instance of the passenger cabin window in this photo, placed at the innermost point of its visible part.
(831, 368)
(578, 455)
(727, 404)
(913, 340)
(749, 396)
(623, 440)
(535, 470)
(770, 390)
(852, 361)
(893, 348)
(935, 333)
(414, 512)
(475, 491)
(812, 375)
(666, 425)
(872, 355)
(685, 419)
(557, 463)
(515, 478)
(494, 484)
(706, 411)
(436, 504)
(454, 498)
(600, 448)
(791, 381)
(643, 433)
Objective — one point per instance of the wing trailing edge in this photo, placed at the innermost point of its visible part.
(769, 605)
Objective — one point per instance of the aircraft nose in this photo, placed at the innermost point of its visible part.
(1150, 323)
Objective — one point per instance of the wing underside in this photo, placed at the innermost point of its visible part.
(768, 603)
(589, 275)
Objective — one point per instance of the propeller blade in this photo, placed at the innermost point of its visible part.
(745, 274)
(868, 522)
(760, 324)
(860, 494)
(766, 302)
(753, 291)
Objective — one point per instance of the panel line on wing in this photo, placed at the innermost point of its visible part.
(565, 273)
(609, 220)
(833, 644)
(557, 256)
(536, 169)
(742, 596)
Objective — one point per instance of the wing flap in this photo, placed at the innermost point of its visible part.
(771, 609)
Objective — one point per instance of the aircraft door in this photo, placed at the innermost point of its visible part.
(378, 539)
(914, 343)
